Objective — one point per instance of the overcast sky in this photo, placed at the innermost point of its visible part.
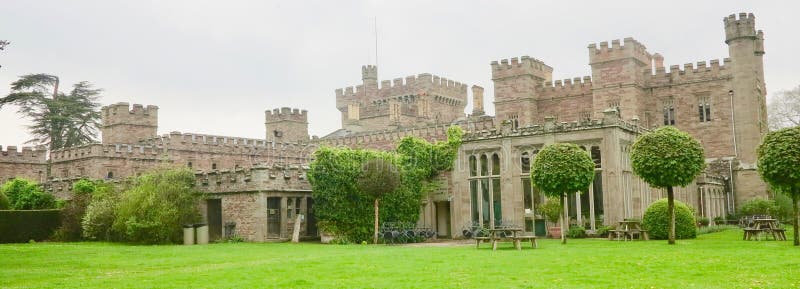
(213, 67)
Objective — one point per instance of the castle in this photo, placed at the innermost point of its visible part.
(260, 184)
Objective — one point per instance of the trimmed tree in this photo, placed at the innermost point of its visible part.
(667, 157)
(378, 177)
(779, 166)
(560, 169)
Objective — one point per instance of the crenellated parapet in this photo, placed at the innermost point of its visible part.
(524, 65)
(566, 87)
(259, 178)
(701, 71)
(128, 151)
(630, 49)
(743, 27)
(124, 113)
(610, 119)
(27, 154)
(388, 139)
(287, 114)
(424, 83)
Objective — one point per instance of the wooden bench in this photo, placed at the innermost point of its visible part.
(749, 233)
(479, 239)
(518, 241)
(779, 234)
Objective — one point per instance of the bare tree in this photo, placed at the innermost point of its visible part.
(784, 109)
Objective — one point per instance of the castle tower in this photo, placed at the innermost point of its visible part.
(746, 49)
(123, 124)
(515, 84)
(477, 101)
(617, 77)
(748, 92)
(286, 125)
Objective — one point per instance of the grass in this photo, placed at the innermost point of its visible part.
(716, 260)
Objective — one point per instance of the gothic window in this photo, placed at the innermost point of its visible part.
(514, 120)
(704, 109)
(526, 163)
(669, 112)
(485, 191)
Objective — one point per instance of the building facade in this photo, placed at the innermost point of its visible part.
(259, 185)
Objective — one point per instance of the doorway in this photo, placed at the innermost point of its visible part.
(273, 217)
(214, 214)
(311, 221)
(443, 219)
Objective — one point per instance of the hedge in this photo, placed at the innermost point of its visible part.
(23, 225)
(656, 221)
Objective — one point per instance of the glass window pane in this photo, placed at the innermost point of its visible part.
(596, 156)
(473, 166)
(496, 202)
(485, 202)
(598, 195)
(526, 163)
(527, 195)
(473, 193)
(495, 164)
(484, 165)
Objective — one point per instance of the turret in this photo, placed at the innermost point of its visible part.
(122, 123)
(286, 125)
(617, 76)
(477, 100)
(746, 48)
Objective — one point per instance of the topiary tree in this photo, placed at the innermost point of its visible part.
(378, 178)
(560, 169)
(667, 157)
(779, 166)
(657, 218)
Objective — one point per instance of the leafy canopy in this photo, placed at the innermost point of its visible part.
(562, 168)
(667, 157)
(27, 195)
(58, 119)
(378, 177)
(779, 160)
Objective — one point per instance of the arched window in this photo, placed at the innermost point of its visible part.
(484, 165)
(495, 164)
(526, 163)
(473, 166)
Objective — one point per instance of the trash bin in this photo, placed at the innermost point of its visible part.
(188, 234)
(202, 233)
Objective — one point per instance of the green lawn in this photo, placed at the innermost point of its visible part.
(718, 260)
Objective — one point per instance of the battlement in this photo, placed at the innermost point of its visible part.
(26, 155)
(369, 72)
(133, 151)
(288, 178)
(524, 65)
(287, 114)
(576, 82)
(124, 113)
(388, 139)
(630, 49)
(610, 119)
(703, 70)
(409, 85)
(743, 27)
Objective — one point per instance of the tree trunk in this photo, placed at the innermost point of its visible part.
(564, 219)
(375, 236)
(795, 217)
(671, 209)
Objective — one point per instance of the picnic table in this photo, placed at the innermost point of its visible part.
(628, 229)
(505, 234)
(758, 227)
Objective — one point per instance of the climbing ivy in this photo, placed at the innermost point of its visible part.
(347, 213)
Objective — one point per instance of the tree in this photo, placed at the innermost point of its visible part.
(59, 120)
(784, 109)
(667, 157)
(561, 169)
(779, 166)
(378, 177)
(3, 44)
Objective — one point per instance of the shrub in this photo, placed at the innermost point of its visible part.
(99, 216)
(757, 206)
(703, 221)
(576, 232)
(719, 220)
(714, 229)
(27, 195)
(154, 208)
(74, 210)
(602, 231)
(656, 221)
(4, 204)
(24, 225)
(783, 207)
(551, 210)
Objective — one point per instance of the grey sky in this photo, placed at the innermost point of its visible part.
(214, 66)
